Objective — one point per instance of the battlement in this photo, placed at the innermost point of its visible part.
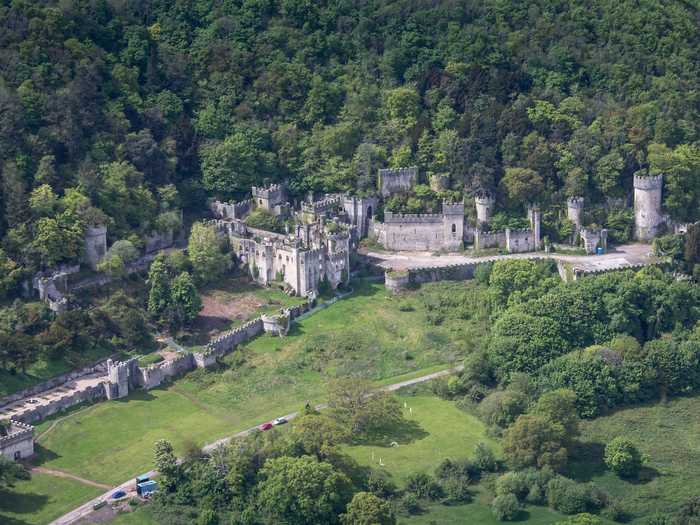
(484, 199)
(575, 203)
(425, 218)
(397, 180)
(231, 210)
(320, 206)
(452, 208)
(274, 190)
(653, 182)
(18, 431)
(96, 230)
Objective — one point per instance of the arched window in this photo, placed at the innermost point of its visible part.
(454, 228)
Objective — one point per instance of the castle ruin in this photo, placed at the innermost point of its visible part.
(647, 207)
(16, 440)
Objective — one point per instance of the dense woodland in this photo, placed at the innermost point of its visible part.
(122, 112)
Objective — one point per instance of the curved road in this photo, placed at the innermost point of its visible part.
(129, 486)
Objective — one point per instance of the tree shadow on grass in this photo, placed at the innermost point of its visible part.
(403, 433)
(587, 461)
(19, 503)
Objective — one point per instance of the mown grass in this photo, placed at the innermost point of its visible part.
(140, 516)
(668, 433)
(438, 430)
(42, 499)
(383, 338)
(435, 429)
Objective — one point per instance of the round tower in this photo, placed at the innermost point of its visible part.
(574, 211)
(95, 245)
(484, 208)
(647, 206)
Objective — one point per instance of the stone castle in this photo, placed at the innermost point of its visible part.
(16, 440)
(316, 248)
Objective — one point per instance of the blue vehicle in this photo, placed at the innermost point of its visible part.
(118, 494)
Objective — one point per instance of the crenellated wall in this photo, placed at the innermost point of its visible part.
(19, 443)
(397, 180)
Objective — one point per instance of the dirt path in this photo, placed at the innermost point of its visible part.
(61, 474)
(85, 509)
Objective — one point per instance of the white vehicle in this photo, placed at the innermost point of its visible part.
(279, 421)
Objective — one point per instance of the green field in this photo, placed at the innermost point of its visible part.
(370, 334)
(42, 499)
(669, 433)
(438, 430)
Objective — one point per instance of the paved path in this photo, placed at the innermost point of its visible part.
(621, 256)
(130, 486)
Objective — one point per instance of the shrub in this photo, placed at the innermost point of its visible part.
(484, 458)
(456, 490)
(623, 458)
(409, 503)
(458, 469)
(505, 508)
(380, 485)
(569, 497)
(423, 486)
(515, 483)
(581, 519)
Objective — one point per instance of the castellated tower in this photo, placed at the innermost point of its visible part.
(95, 245)
(484, 208)
(533, 214)
(647, 206)
(118, 385)
(453, 225)
(574, 211)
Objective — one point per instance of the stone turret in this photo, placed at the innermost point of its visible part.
(484, 208)
(453, 225)
(535, 218)
(360, 211)
(270, 198)
(95, 245)
(17, 442)
(118, 380)
(647, 206)
(574, 211)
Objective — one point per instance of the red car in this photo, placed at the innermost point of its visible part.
(265, 426)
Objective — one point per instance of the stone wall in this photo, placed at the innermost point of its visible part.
(519, 241)
(100, 366)
(19, 443)
(89, 394)
(483, 240)
(397, 180)
(154, 375)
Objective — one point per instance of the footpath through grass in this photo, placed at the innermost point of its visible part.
(42, 499)
(370, 334)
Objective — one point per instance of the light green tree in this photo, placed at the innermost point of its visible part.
(209, 262)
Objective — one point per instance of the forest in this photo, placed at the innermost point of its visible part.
(125, 112)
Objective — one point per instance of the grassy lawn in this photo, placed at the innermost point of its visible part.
(479, 513)
(42, 499)
(437, 430)
(370, 334)
(668, 433)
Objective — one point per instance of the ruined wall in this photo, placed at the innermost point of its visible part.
(519, 241)
(397, 180)
(483, 240)
(231, 210)
(156, 374)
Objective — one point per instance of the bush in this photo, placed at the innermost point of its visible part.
(458, 469)
(409, 503)
(484, 458)
(456, 490)
(623, 458)
(380, 485)
(423, 486)
(505, 508)
(569, 497)
(515, 483)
